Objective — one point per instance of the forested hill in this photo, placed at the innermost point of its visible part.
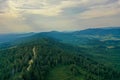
(81, 37)
(44, 58)
(10, 37)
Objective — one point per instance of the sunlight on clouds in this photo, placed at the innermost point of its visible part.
(11, 19)
(53, 9)
(101, 11)
(39, 15)
(46, 12)
(10, 10)
(95, 13)
(13, 25)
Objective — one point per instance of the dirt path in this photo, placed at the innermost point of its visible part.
(31, 60)
(34, 52)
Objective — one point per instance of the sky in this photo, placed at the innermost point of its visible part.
(17, 16)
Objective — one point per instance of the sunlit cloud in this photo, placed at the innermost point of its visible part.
(46, 15)
(47, 8)
(101, 11)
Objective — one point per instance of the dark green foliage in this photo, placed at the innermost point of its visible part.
(74, 69)
(43, 55)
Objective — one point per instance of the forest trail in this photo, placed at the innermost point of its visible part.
(31, 60)
(34, 52)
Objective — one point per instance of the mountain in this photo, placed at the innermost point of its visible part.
(102, 46)
(100, 31)
(7, 40)
(48, 59)
(11, 37)
(91, 54)
(83, 36)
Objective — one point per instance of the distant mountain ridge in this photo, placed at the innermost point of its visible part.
(91, 31)
(91, 54)
(10, 37)
(99, 31)
(79, 37)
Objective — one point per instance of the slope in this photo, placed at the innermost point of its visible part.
(50, 55)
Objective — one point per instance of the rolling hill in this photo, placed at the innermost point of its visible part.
(91, 54)
(48, 59)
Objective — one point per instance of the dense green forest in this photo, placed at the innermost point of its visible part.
(48, 59)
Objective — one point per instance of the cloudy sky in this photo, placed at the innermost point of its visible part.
(62, 15)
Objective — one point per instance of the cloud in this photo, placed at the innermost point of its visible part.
(55, 7)
(111, 21)
(42, 23)
(10, 18)
(8, 9)
(10, 26)
(49, 9)
(46, 15)
(102, 10)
